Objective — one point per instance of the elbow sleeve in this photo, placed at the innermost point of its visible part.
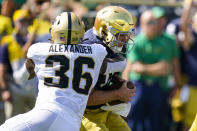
(115, 66)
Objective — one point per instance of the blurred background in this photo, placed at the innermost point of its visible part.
(87, 8)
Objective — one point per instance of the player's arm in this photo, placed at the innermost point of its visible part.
(26, 72)
(120, 90)
(98, 97)
(111, 65)
(30, 68)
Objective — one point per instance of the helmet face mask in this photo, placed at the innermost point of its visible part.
(67, 28)
(116, 26)
(118, 39)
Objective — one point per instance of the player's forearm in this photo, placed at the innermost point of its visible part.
(30, 68)
(112, 65)
(101, 97)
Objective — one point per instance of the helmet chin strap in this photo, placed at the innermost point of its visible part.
(112, 41)
(127, 47)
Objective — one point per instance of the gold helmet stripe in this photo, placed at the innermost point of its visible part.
(69, 27)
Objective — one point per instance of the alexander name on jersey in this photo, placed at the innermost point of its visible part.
(70, 48)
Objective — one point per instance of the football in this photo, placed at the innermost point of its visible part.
(130, 85)
(117, 86)
(118, 81)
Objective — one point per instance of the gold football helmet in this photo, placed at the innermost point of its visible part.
(67, 28)
(116, 26)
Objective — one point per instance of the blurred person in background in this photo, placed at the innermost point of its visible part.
(39, 18)
(113, 28)
(20, 93)
(5, 29)
(5, 25)
(2, 107)
(49, 11)
(76, 7)
(184, 104)
(8, 7)
(160, 15)
(173, 80)
(147, 66)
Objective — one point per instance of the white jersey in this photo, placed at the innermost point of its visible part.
(66, 73)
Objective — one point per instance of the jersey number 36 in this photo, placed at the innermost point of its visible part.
(78, 73)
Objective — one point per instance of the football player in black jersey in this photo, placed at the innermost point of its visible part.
(114, 28)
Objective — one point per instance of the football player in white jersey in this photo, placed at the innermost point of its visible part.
(67, 71)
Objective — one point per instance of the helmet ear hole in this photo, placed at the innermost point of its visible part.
(58, 22)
